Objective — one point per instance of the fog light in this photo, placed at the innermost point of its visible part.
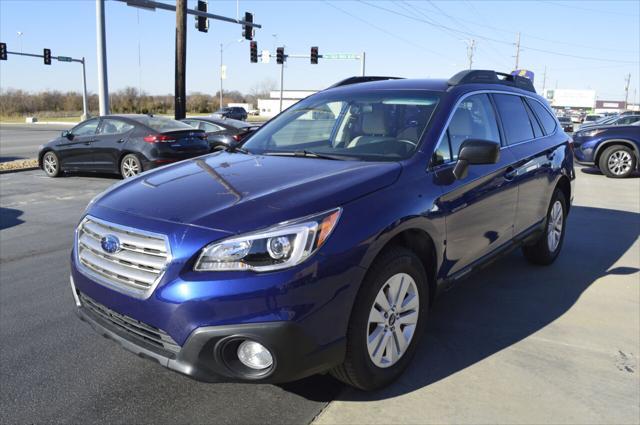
(254, 355)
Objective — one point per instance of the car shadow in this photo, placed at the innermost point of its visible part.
(110, 176)
(596, 172)
(506, 303)
(9, 217)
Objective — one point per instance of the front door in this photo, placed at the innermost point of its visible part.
(75, 150)
(480, 208)
(111, 137)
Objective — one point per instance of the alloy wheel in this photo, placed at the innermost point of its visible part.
(619, 162)
(130, 167)
(50, 164)
(392, 320)
(554, 228)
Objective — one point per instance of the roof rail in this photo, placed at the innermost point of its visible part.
(479, 76)
(357, 80)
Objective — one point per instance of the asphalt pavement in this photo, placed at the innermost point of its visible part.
(21, 141)
(56, 369)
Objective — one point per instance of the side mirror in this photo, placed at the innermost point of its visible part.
(475, 152)
(67, 134)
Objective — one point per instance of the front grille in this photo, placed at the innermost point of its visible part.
(149, 334)
(135, 268)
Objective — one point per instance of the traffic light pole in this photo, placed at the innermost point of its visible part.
(101, 41)
(180, 99)
(281, 83)
(85, 113)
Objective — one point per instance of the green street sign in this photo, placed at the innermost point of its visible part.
(340, 56)
(64, 59)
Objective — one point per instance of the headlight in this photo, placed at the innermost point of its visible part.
(589, 133)
(275, 248)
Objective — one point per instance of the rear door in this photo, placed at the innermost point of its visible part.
(76, 152)
(480, 208)
(216, 134)
(529, 132)
(110, 138)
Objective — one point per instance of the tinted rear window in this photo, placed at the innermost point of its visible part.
(545, 117)
(515, 118)
(162, 124)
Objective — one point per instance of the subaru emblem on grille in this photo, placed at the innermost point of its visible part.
(110, 244)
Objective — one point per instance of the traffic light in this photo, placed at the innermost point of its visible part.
(202, 23)
(247, 30)
(254, 51)
(280, 55)
(3, 51)
(47, 56)
(314, 55)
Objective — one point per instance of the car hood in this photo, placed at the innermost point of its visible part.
(236, 192)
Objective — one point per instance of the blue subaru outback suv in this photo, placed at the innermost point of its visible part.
(320, 244)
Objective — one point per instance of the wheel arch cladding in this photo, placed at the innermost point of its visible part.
(565, 186)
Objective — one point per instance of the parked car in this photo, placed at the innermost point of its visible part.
(591, 118)
(222, 133)
(233, 112)
(615, 120)
(566, 123)
(121, 144)
(613, 149)
(322, 243)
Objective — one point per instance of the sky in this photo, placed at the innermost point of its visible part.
(582, 44)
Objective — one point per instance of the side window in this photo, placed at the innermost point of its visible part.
(537, 130)
(193, 124)
(210, 128)
(515, 119)
(474, 118)
(545, 117)
(110, 126)
(86, 128)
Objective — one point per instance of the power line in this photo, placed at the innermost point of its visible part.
(470, 34)
(584, 8)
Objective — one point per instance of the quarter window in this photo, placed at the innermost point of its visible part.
(537, 130)
(545, 117)
(515, 119)
(474, 118)
(209, 127)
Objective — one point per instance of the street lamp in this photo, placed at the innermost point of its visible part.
(222, 47)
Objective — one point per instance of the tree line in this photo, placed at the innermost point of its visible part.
(16, 102)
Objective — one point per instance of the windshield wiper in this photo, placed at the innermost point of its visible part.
(235, 148)
(307, 154)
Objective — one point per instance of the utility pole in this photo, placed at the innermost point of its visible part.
(221, 65)
(103, 86)
(181, 60)
(544, 79)
(281, 83)
(517, 51)
(471, 48)
(85, 112)
(627, 81)
(363, 57)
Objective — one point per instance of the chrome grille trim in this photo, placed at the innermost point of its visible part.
(135, 270)
(148, 333)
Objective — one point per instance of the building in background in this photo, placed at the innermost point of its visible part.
(610, 106)
(577, 100)
(271, 107)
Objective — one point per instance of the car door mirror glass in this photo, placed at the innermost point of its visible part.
(475, 152)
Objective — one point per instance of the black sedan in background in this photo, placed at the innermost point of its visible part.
(222, 132)
(233, 112)
(566, 123)
(122, 144)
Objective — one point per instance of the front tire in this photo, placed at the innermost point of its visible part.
(387, 321)
(51, 164)
(617, 162)
(546, 249)
(130, 166)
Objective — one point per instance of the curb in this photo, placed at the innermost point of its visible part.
(18, 170)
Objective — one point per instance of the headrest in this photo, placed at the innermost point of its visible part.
(374, 122)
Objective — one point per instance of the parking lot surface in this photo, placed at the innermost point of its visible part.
(55, 368)
(512, 344)
(21, 141)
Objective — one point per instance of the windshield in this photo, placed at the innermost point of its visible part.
(162, 124)
(375, 126)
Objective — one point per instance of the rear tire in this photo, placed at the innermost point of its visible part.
(130, 166)
(379, 346)
(51, 164)
(546, 249)
(617, 162)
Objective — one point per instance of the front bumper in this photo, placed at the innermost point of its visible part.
(209, 352)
